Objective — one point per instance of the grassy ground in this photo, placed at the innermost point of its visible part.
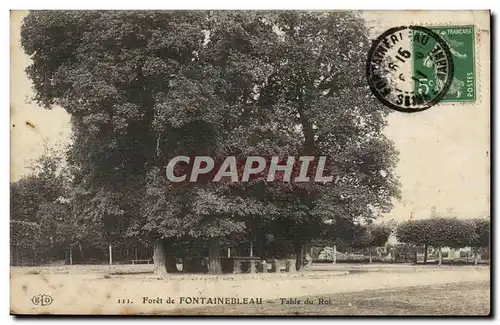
(469, 298)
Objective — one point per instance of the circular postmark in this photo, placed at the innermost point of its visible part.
(409, 68)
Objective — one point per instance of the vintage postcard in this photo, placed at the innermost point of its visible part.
(250, 163)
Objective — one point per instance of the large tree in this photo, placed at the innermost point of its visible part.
(317, 90)
(142, 87)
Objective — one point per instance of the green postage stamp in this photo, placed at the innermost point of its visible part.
(460, 40)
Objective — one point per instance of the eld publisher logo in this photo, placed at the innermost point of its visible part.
(42, 300)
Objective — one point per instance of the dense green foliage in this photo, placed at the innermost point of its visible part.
(370, 236)
(24, 233)
(444, 232)
(482, 237)
(142, 87)
(43, 200)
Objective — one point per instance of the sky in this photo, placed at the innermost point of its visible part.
(444, 151)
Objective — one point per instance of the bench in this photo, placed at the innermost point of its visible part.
(243, 264)
(141, 261)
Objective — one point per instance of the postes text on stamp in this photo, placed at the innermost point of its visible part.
(460, 40)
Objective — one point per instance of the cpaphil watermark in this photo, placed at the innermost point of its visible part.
(207, 169)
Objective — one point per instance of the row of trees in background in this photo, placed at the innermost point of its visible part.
(364, 238)
(445, 232)
(43, 224)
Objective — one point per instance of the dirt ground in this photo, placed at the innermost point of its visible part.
(467, 298)
(133, 289)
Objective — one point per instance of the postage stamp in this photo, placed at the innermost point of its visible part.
(460, 40)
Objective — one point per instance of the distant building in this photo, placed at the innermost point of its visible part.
(450, 213)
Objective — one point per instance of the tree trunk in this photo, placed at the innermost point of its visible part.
(260, 244)
(299, 250)
(309, 257)
(425, 253)
(370, 252)
(171, 264)
(303, 256)
(440, 254)
(334, 254)
(70, 255)
(81, 251)
(416, 256)
(476, 260)
(170, 260)
(110, 254)
(159, 258)
(214, 266)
